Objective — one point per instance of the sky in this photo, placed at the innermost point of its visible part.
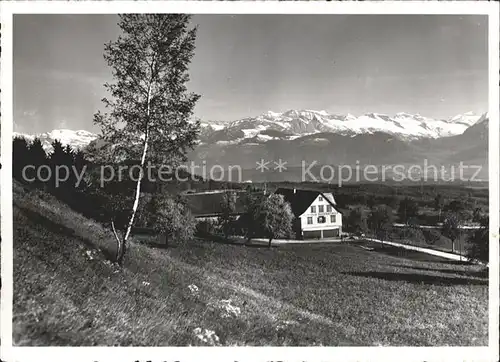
(245, 65)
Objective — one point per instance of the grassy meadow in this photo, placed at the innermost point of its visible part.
(66, 292)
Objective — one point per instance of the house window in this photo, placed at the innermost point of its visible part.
(309, 220)
(321, 219)
(333, 218)
(320, 198)
(321, 208)
(328, 208)
(313, 209)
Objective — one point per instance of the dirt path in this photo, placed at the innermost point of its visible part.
(441, 254)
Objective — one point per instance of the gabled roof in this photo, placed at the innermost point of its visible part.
(208, 204)
(300, 200)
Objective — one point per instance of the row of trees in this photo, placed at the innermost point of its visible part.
(166, 214)
(407, 209)
(29, 157)
(379, 221)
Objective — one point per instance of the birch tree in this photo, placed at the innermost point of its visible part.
(149, 110)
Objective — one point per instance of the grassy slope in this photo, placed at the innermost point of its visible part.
(65, 293)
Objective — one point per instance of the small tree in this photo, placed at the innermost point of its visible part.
(451, 228)
(438, 204)
(150, 106)
(356, 221)
(227, 217)
(370, 201)
(380, 221)
(252, 210)
(276, 216)
(479, 242)
(408, 208)
(172, 219)
(268, 216)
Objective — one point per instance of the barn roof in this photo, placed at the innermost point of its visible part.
(208, 204)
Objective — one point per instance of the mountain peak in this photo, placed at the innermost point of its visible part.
(468, 118)
(273, 114)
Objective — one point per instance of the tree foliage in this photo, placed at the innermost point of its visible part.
(267, 216)
(380, 221)
(438, 205)
(276, 216)
(455, 206)
(479, 242)
(370, 201)
(149, 109)
(171, 218)
(438, 202)
(20, 158)
(38, 157)
(227, 217)
(408, 208)
(357, 221)
(452, 228)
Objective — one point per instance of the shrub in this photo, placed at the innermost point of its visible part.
(416, 235)
(432, 236)
(479, 245)
(479, 242)
(380, 221)
(407, 209)
(206, 228)
(356, 221)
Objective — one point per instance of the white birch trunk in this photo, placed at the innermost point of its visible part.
(122, 247)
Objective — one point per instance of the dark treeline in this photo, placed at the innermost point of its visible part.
(85, 190)
(34, 167)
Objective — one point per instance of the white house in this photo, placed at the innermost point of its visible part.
(316, 213)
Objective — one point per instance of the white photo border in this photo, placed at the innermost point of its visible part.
(183, 354)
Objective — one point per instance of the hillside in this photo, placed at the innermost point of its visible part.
(66, 292)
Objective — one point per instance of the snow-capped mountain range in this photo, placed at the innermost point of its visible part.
(297, 123)
(294, 124)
